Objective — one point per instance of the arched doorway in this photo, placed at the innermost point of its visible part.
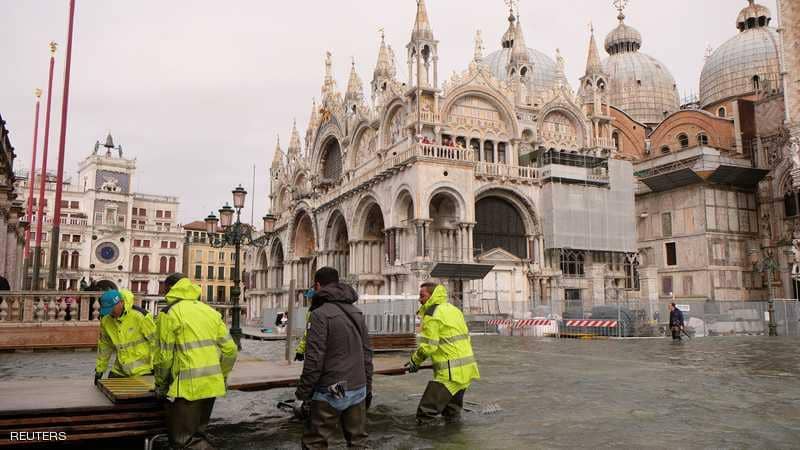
(331, 162)
(369, 250)
(337, 248)
(499, 224)
(275, 274)
(304, 251)
(444, 241)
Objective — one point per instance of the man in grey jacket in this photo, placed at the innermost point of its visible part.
(337, 369)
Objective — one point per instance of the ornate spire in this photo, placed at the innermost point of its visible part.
(109, 141)
(384, 68)
(510, 34)
(329, 86)
(294, 140)
(561, 77)
(312, 121)
(478, 46)
(422, 26)
(621, 5)
(519, 51)
(277, 157)
(593, 64)
(355, 89)
(623, 38)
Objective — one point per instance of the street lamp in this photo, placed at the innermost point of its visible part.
(767, 264)
(236, 234)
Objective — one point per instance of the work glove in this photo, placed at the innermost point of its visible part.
(411, 367)
(368, 400)
(97, 377)
(299, 357)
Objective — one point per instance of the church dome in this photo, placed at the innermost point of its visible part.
(746, 62)
(639, 84)
(544, 69)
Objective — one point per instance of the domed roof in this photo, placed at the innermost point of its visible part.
(639, 84)
(544, 69)
(731, 70)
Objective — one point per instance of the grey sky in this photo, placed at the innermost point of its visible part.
(197, 90)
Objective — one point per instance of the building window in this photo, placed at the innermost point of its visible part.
(666, 224)
(671, 253)
(145, 264)
(64, 204)
(162, 265)
(756, 83)
(210, 272)
(62, 284)
(159, 214)
(64, 261)
(233, 274)
(171, 264)
(164, 244)
(74, 205)
(790, 204)
(173, 244)
(76, 238)
(65, 238)
(136, 264)
(488, 151)
(665, 149)
(572, 262)
(501, 153)
(210, 294)
(222, 257)
(702, 139)
(146, 243)
(721, 112)
(683, 140)
(168, 214)
(198, 272)
(221, 273)
(137, 243)
(666, 286)
(631, 272)
(615, 140)
(220, 294)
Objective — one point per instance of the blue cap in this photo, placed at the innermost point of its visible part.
(108, 301)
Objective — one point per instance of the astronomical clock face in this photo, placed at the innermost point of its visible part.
(107, 252)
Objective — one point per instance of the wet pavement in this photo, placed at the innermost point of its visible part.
(726, 392)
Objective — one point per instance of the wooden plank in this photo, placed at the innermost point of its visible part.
(92, 418)
(127, 389)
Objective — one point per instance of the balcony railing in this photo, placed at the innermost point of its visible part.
(49, 307)
(485, 169)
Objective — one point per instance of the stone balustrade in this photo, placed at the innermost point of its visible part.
(48, 307)
(490, 170)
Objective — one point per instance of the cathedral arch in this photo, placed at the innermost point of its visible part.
(521, 202)
(499, 223)
(363, 147)
(393, 129)
(402, 212)
(561, 128)
(366, 216)
(472, 107)
(304, 236)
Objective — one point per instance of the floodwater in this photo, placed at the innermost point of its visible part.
(722, 392)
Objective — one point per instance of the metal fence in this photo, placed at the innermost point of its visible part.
(721, 318)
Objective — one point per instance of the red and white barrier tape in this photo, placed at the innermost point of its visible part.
(592, 323)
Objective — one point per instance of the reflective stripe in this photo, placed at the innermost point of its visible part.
(134, 343)
(135, 364)
(453, 363)
(166, 346)
(430, 341)
(453, 339)
(224, 340)
(198, 372)
(196, 344)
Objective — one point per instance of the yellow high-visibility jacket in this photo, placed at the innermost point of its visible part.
(132, 336)
(195, 352)
(301, 346)
(445, 339)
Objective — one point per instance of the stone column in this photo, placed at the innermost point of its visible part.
(420, 238)
(459, 239)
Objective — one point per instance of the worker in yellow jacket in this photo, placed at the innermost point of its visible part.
(445, 339)
(127, 330)
(300, 350)
(194, 358)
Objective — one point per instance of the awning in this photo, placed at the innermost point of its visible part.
(738, 176)
(672, 180)
(462, 271)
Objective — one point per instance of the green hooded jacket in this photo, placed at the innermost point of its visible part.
(195, 352)
(445, 339)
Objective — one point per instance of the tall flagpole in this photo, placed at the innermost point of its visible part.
(51, 279)
(31, 182)
(37, 248)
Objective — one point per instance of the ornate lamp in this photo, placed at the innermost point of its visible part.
(211, 223)
(226, 215)
(269, 223)
(239, 195)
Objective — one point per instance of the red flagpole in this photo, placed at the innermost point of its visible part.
(51, 279)
(32, 179)
(37, 248)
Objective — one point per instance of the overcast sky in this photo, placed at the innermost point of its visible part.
(198, 90)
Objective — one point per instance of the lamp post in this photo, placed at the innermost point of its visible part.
(767, 264)
(223, 231)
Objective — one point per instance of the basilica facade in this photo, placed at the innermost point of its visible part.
(506, 165)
